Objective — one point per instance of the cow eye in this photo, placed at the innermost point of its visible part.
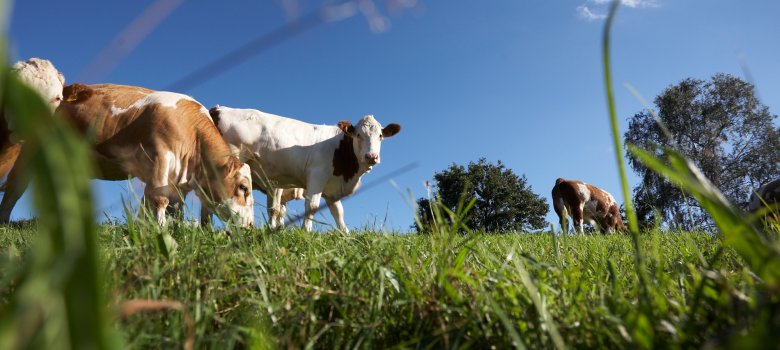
(243, 187)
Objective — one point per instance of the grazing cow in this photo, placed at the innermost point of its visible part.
(769, 193)
(326, 160)
(167, 140)
(40, 75)
(585, 202)
(278, 199)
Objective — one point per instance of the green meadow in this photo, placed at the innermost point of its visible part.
(292, 289)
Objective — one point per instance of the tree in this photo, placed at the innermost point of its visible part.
(722, 127)
(504, 201)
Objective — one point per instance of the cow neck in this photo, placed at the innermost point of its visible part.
(215, 152)
(345, 163)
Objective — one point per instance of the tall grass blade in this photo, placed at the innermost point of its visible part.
(630, 210)
(641, 333)
(762, 256)
(61, 290)
(541, 308)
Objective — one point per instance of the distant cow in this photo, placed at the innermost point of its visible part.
(769, 193)
(167, 140)
(40, 75)
(278, 199)
(585, 202)
(327, 161)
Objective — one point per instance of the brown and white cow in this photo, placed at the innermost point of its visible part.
(43, 77)
(585, 202)
(165, 139)
(768, 193)
(326, 160)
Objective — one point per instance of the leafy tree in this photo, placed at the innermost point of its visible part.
(722, 127)
(504, 201)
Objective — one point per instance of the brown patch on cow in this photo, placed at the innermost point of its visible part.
(566, 191)
(346, 127)
(391, 129)
(76, 93)
(240, 186)
(214, 114)
(289, 194)
(345, 163)
(601, 198)
(9, 153)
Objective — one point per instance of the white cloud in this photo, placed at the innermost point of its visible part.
(585, 13)
(591, 13)
(629, 3)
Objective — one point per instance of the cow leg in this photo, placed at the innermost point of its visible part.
(282, 213)
(564, 220)
(205, 215)
(269, 207)
(313, 193)
(337, 210)
(175, 209)
(577, 218)
(156, 201)
(312, 204)
(14, 189)
(563, 217)
(157, 192)
(273, 203)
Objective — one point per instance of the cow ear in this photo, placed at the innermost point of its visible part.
(346, 127)
(391, 129)
(214, 114)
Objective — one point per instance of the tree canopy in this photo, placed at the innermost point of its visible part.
(723, 128)
(504, 201)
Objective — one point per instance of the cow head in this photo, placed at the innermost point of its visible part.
(41, 75)
(615, 220)
(368, 135)
(236, 199)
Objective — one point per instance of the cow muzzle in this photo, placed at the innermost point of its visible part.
(240, 214)
(372, 158)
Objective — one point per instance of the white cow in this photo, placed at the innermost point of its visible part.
(326, 160)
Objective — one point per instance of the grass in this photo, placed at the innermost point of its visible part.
(367, 290)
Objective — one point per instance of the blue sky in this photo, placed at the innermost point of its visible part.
(513, 80)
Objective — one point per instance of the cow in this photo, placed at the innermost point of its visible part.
(167, 140)
(585, 202)
(43, 77)
(769, 193)
(278, 199)
(327, 161)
